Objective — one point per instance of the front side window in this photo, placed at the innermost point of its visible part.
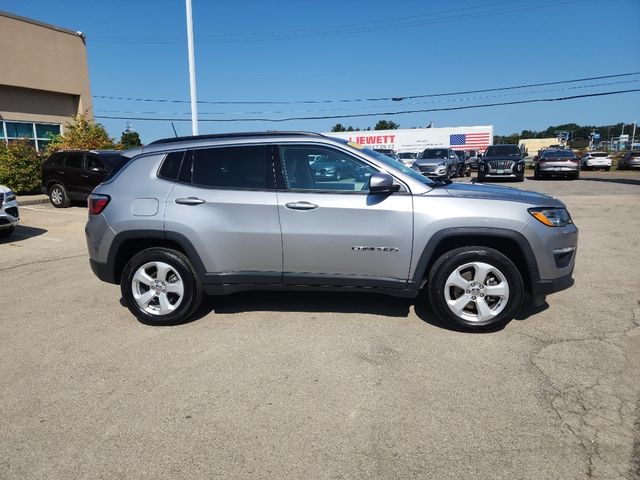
(308, 167)
(233, 167)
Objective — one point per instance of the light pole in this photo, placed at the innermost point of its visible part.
(192, 71)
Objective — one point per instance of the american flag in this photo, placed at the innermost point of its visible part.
(469, 141)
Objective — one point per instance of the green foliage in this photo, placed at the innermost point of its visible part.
(130, 139)
(20, 166)
(386, 125)
(81, 134)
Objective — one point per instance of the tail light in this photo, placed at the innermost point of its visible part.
(97, 203)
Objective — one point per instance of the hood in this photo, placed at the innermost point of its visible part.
(513, 158)
(4, 189)
(495, 192)
(431, 161)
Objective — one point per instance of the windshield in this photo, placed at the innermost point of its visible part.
(599, 154)
(558, 154)
(499, 150)
(407, 155)
(399, 166)
(435, 153)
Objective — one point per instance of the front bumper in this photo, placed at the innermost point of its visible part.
(541, 288)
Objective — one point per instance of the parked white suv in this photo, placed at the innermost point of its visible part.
(9, 216)
(595, 160)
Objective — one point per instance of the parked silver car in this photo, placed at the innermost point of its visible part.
(9, 214)
(437, 163)
(557, 163)
(630, 161)
(219, 214)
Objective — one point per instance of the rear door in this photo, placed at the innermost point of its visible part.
(73, 173)
(224, 203)
(334, 232)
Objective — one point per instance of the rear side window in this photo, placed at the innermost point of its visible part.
(55, 160)
(73, 160)
(171, 166)
(233, 167)
(93, 164)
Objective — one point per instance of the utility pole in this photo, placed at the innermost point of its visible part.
(192, 71)
(633, 135)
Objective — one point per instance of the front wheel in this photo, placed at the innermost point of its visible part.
(160, 287)
(475, 288)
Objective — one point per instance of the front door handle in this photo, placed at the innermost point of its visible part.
(189, 201)
(301, 206)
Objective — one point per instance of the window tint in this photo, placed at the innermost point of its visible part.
(502, 150)
(55, 160)
(233, 167)
(93, 164)
(73, 160)
(435, 153)
(171, 166)
(321, 168)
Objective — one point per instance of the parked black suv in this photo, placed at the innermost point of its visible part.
(73, 174)
(502, 161)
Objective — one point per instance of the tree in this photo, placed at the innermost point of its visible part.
(20, 166)
(386, 125)
(338, 127)
(130, 139)
(82, 134)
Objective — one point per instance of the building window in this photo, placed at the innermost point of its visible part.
(38, 134)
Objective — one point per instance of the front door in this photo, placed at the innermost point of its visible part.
(334, 232)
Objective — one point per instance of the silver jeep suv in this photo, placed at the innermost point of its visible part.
(218, 214)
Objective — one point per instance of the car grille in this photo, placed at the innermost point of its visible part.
(427, 168)
(501, 165)
(13, 211)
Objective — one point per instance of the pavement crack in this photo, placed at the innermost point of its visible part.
(41, 261)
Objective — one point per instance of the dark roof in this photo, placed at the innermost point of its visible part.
(217, 136)
(42, 24)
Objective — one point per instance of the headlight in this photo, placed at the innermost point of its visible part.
(331, 170)
(552, 217)
(442, 164)
(9, 196)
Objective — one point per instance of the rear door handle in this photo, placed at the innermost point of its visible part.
(189, 201)
(301, 206)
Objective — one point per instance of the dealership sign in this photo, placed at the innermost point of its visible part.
(417, 139)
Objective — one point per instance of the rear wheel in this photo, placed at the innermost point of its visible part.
(58, 196)
(160, 287)
(536, 174)
(475, 288)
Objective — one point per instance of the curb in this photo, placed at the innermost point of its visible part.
(32, 200)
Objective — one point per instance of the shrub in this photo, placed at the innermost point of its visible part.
(20, 166)
(81, 134)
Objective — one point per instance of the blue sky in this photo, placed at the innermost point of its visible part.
(329, 50)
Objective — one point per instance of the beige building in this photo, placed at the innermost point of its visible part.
(44, 79)
(532, 145)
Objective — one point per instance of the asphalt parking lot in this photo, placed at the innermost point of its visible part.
(272, 385)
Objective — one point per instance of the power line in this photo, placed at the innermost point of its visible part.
(355, 115)
(351, 108)
(374, 99)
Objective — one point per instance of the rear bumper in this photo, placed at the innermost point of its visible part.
(103, 271)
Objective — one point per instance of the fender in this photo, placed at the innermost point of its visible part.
(476, 232)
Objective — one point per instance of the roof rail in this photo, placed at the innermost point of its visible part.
(214, 136)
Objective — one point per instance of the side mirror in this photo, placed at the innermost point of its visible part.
(382, 183)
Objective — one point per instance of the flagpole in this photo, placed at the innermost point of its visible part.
(192, 70)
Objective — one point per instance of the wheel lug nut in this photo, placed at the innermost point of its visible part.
(473, 298)
(482, 294)
(468, 291)
(481, 286)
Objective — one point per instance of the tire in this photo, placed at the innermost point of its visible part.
(536, 174)
(575, 176)
(607, 169)
(468, 173)
(5, 232)
(520, 178)
(481, 177)
(478, 270)
(146, 288)
(58, 196)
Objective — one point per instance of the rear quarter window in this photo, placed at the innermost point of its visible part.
(244, 167)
